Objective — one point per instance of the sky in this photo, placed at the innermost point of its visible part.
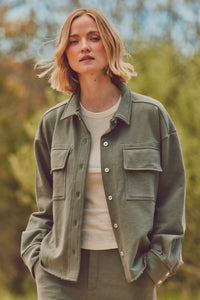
(152, 24)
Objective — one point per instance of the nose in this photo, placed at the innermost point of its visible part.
(85, 47)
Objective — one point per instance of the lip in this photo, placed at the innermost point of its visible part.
(86, 57)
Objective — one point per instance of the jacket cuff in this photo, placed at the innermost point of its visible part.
(30, 258)
(156, 269)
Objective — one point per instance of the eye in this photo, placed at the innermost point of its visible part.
(73, 42)
(95, 38)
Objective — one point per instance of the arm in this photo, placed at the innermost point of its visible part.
(164, 256)
(40, 222)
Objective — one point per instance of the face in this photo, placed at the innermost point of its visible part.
(85, 51)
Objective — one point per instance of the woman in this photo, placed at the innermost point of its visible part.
(110, 181)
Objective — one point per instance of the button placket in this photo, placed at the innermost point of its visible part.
(121, 253)
(77, 204)
(77, 194)
(105, 144)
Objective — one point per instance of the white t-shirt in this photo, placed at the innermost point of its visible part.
(97, 232)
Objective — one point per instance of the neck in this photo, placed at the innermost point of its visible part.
(98, 94)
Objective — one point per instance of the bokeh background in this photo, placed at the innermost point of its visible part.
(163, 39)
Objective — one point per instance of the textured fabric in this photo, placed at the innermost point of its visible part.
(97, 232)
(101, 278)
(144, 183)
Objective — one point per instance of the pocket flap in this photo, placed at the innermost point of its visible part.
(59, 158)
(141, 159)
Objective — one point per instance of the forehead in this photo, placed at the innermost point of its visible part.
(83, 23)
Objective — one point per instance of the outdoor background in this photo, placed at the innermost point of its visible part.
(163, 39)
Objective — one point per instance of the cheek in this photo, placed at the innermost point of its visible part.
(70, 54)
(101, 49)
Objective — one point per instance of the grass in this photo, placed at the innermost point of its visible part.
(172, 292)
(30, 294)
(6, 295)
(174, 295)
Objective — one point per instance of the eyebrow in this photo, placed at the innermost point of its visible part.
(89, 33)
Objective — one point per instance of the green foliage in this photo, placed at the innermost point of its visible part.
(165, 72)
(19, 100)
(22, 162)
(30, 294)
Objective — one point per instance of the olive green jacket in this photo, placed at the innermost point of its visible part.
(144, 183)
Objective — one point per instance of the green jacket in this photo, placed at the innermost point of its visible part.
(144, 182)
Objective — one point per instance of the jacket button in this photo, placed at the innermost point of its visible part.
(110, 197)
(121, 253)
(105, 144)
(77, 194)
(115, 225)
(106, 170)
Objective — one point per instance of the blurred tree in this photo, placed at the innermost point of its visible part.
(22, 161)
(165, 40)
(25, 25)
(21, 95)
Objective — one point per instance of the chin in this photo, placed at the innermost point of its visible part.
(92, 71)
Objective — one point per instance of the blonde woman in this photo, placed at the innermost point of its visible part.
(110, 181)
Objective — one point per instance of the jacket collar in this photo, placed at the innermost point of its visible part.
(123, 112)
(72, 107)
(124, 109)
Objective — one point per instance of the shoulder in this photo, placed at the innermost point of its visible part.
(56, 109)
(54, 113)
(50, 118)
(142, 99)
(151, 105)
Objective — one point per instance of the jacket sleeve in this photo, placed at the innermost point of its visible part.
(164, 256)
(40, 222)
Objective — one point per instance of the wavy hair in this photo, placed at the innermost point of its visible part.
(63, 78)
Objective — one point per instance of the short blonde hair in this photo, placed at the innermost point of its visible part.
(63, 78)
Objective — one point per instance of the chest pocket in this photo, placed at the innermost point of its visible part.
(142, 167)
(59, 159)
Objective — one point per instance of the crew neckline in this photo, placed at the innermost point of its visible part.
(100, 114)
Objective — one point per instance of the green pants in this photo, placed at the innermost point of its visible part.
(101, 278)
